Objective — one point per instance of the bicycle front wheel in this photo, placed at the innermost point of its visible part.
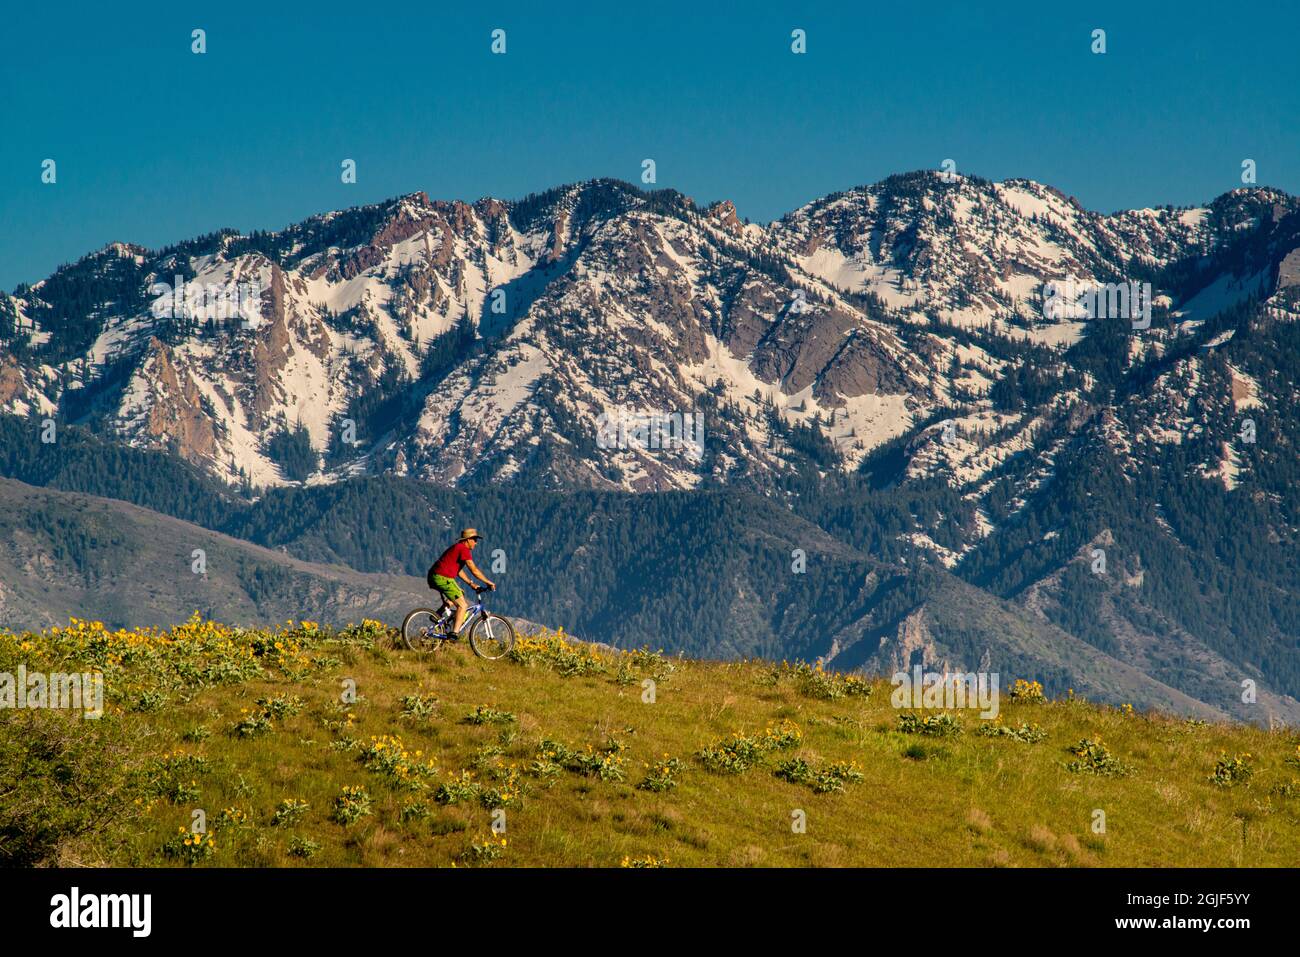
(492, 637)
(420, 630)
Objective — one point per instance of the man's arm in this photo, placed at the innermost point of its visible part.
(474, 568)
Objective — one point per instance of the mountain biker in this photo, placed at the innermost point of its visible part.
(457, 562)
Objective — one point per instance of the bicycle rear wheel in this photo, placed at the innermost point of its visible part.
(492, 637)
(420, 630)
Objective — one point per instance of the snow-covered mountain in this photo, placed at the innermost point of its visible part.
(497, 341)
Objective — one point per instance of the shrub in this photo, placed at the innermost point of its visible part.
(485, 715)
(604, 764)
(251, 724)
(463, 787)
(833, 777)
(189, 848)
(172, 777)
(781, 736)
(1025, 733)
(1286, 789)
(506, 791)
(1028, 691)
(813, 682)
(303, 847)
(61, 776)
(558, 654)
(733, 755)
(289, 811)
(1093, 757)
(368, 634)
(483, 851)
(234, 817)
(352, 804)
(420, 707)
(652, 662)
(740, 752)
(662, 775)
(281, 707)
(388, 756)
(942, 725)
(1229, 772)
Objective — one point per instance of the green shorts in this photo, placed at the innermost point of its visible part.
(447, 587)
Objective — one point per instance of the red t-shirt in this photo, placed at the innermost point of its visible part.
(448, 566)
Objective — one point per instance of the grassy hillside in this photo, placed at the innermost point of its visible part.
(250, 727)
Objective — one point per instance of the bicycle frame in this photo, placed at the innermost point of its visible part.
(472, 616)
(476, 611)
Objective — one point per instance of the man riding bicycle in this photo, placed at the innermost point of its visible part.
(457, 562)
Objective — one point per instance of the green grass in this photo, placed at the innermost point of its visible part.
(955, 799)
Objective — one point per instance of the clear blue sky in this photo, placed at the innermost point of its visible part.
(155, 144)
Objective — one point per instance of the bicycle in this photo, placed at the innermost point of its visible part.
(491, 636)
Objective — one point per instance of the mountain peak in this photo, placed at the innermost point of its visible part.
(820, 315)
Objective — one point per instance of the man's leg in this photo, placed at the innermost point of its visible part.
(451, 594)
(462, 609)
